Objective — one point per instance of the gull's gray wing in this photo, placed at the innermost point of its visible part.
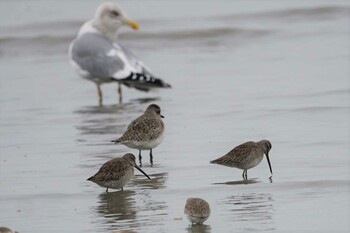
(97, 58)
(136, 62)
(90, 52)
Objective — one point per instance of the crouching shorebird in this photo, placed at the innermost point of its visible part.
(246, 156)
(116, 173)
(145, 132)
(6, 230)
(197, 210)
(97, 56)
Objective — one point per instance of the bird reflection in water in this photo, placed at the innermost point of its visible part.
(124, 231)
(102, 120)
(157, 181)
(257, 209)
(117, 206)
(239, 182)
(199, 228)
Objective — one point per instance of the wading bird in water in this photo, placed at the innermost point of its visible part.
(97, 55)
(246, 156)
(197, 210)
(145, 132)
(116, 173)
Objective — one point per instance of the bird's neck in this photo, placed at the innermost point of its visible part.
(150, 114)
(262, 145)
(110, 34)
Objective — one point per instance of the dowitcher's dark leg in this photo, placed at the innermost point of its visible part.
(151, 156)
(107, 190)
(245, 174)
(100, 95)
(140, 158)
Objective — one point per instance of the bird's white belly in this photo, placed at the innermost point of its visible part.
(145, 145)
(252, 163)
(196, 220)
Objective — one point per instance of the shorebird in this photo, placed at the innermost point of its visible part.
(145, 132)
(97, 55)
(116, 173)
(6, 230)
(197, 210)
(246, 156)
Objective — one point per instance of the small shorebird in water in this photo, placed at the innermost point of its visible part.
(197, 210)
(246, 156)
(6, 230)
(145, 132)
(116, 173)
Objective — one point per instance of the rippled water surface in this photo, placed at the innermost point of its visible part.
(240, 70)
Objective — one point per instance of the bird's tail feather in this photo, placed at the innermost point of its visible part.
(116, 141)
(142, 81)
(217, 161)
(214, 161)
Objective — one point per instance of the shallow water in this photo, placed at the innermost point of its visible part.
(240, 71)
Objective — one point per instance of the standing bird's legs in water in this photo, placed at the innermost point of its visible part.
(151, 157)
(100, 101)
(120, 92)
(245, 174)
(140, 158)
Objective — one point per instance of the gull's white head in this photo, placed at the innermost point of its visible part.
(109, 17)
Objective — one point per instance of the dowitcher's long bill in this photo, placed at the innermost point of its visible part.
(97, 56)
(116, 173)
(144, 133)
(197, 210)
(138, 168)
(246, 156)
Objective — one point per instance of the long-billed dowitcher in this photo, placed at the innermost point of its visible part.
(97, 56)
(145, 132)
(246, 156)
(197, 210)
(116, 173)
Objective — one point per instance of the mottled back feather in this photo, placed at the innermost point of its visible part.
(237, 155)
(197, 207)
(112, 170)
(145, 127)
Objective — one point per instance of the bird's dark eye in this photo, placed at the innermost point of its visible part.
(115, 13)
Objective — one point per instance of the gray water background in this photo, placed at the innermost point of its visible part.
(240, 71)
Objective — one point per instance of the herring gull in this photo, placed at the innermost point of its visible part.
(97, 56)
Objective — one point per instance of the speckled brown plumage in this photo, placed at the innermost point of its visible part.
(6, 230)
(246, 156)
(145, 132)
(197, 210)
(116, 172)
(144, 128)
